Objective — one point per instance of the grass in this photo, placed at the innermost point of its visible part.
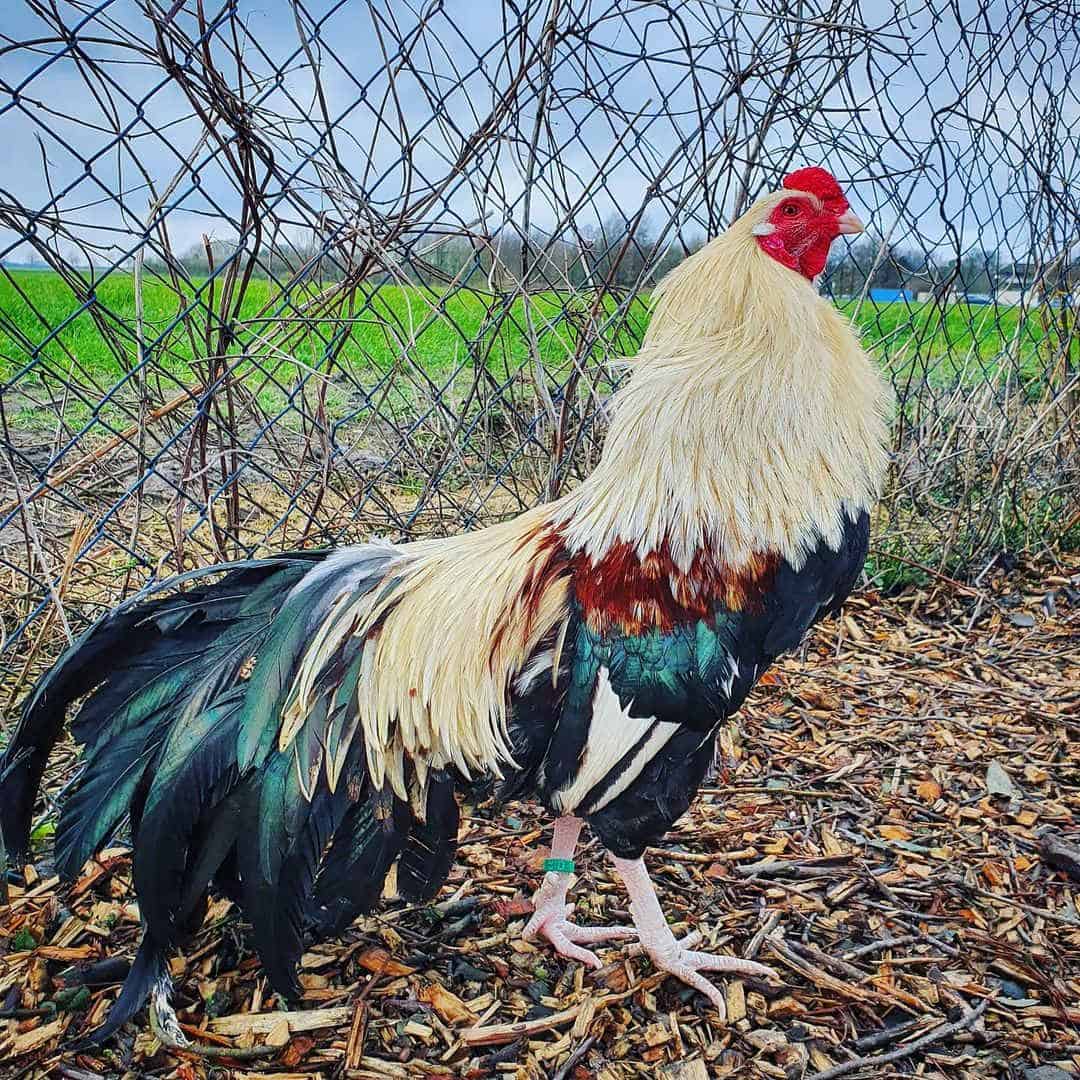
(385, 324)
(438, 330)
(968, 342)
(50, 340)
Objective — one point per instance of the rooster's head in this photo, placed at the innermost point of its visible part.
(800, 222)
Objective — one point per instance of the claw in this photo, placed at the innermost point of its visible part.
(559, 935)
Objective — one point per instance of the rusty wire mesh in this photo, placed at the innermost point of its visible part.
(301, 271)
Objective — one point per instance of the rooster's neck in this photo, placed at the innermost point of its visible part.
(750, 443)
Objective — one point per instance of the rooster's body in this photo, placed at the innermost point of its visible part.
(288, 729)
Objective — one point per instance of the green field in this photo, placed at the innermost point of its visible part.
(384, 323)
(426, 333)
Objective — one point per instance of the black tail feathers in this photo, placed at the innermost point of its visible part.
(118, 655)
(149, 969)
(431, 845)
(181, 696)
(23, 763)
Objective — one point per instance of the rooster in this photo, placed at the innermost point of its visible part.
(286, 730)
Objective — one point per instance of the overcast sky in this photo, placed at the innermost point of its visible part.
(594, 161)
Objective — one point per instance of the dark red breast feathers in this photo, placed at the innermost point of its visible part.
(632, 594)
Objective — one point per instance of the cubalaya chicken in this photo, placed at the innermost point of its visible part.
(285, 730)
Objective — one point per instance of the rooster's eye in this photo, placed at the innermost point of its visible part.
(791, 209)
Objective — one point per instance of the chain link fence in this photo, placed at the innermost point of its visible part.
(288, 272)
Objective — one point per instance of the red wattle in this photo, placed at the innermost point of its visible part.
(813, 260)
(809, 262)
(773, 246)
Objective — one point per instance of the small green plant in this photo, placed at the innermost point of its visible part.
(23, 940)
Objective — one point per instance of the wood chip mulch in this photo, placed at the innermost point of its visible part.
(893, 826)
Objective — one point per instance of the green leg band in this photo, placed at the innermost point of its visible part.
(559, 866)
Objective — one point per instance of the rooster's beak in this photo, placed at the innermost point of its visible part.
(849, 223)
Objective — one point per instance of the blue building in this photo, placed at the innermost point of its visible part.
(890, 296)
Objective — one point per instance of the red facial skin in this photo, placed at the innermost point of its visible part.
(806, 223)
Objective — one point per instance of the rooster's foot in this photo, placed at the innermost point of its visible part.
(678, 959)
(550, 921)
(550, 909)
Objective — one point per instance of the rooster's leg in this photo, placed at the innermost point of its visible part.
(673, 956)
(551, 909)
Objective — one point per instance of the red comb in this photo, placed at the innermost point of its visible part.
(818, 182)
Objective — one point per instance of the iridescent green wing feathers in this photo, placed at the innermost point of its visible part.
(687, 676)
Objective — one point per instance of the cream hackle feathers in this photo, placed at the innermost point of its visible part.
(751, 420)
(459, 618)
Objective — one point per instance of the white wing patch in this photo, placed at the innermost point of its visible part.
(662, 731)
(733, 674)
(613, 733)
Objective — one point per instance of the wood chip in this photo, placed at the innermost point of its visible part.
(447, 1005)
(262, 1023)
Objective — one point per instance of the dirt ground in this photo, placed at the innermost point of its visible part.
(893, 826)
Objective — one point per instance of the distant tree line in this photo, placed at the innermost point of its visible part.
(612, 254)
(865, 264)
